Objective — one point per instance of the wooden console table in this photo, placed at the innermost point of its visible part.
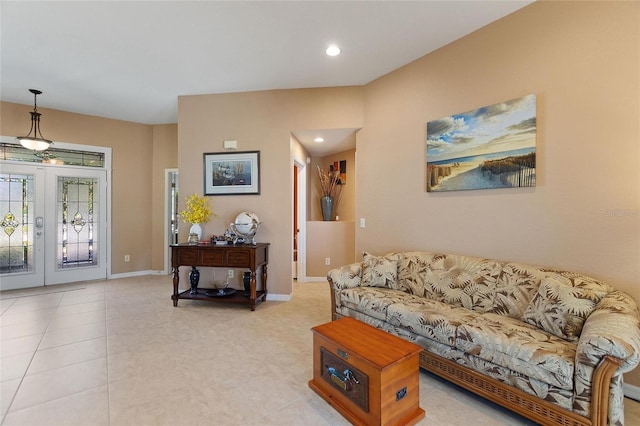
(247, 256)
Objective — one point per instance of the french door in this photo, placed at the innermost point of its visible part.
(53, 225)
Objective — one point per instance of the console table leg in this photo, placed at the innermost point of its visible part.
(252, 298)
(176, 279)
(264, 280)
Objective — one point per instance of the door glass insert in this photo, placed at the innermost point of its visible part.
(78, 221)
(16, 221)
(69, 157)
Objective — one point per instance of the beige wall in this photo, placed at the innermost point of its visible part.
(582, 59)
(260, 121)
(133, 215)
(330, 239)
(300, 153)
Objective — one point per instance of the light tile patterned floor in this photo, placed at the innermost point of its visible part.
(118, 353)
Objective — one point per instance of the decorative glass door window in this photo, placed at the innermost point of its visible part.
(16, 220)
(77, 215)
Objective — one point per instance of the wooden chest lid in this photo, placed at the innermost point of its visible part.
(376, 346)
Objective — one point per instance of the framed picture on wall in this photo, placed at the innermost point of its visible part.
(486, 148)
(231, 173)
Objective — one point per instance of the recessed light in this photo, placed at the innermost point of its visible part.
(319, 139)
(333, 50)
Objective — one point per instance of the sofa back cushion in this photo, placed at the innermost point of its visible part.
(555, 301)
(380, 271)
(516, 285)
(454, 279)
(563, 302)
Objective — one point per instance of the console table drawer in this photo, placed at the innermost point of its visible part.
(188, 257)
(239, 258)
(212, 258)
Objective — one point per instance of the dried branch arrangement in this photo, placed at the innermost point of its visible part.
(329, 183)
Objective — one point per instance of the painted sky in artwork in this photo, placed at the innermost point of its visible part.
(501, 127)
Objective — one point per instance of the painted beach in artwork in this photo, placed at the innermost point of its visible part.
(490, 147)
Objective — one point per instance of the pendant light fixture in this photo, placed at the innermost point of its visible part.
(32, 141)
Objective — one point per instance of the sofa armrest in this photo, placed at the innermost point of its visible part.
(609, 345)
(348, 276)
(613, 328)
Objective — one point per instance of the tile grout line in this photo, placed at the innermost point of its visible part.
(43, 294)
(13, 398)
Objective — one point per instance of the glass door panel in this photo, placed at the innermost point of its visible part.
(78, 245)
(21, 223)
(77, 216)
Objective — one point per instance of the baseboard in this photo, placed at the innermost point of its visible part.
(279, 297)
(631, 391)
(315, 279)
(133, 274)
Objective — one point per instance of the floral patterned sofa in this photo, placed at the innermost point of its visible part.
(550, 345)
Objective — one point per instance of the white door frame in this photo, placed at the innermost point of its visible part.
(302, 218)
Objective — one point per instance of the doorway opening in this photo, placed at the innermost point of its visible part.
(170, 214)
(299, 219)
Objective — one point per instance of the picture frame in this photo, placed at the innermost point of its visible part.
(231, 173)
(487, 148)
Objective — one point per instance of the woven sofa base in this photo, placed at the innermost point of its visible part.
(513, 399)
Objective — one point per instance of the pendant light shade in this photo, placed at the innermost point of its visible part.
(34, 139)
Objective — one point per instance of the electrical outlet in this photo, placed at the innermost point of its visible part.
(230, 273)
(327, 261)
(127, 258)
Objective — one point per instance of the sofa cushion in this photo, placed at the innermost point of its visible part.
(561, 397)
(372, 301)
(516, 286)
(520, 347)
(562, 304)
(457, 280)
(429, 318)
(379, 271)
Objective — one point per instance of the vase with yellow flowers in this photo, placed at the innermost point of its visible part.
(197, 211)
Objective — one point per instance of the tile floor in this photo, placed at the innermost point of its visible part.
(118, 353)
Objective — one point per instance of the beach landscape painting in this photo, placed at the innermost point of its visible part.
(490, 147)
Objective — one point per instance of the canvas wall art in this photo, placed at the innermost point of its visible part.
(490, 147)
(341, 168)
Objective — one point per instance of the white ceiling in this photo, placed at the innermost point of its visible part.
(334, 140)
(130, 60)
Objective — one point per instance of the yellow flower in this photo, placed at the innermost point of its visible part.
(197, 210)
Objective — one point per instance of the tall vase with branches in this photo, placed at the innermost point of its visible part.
(331, 190)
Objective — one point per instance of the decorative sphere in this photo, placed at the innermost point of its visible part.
(247, 224)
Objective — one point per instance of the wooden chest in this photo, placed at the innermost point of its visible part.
(369, 376)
